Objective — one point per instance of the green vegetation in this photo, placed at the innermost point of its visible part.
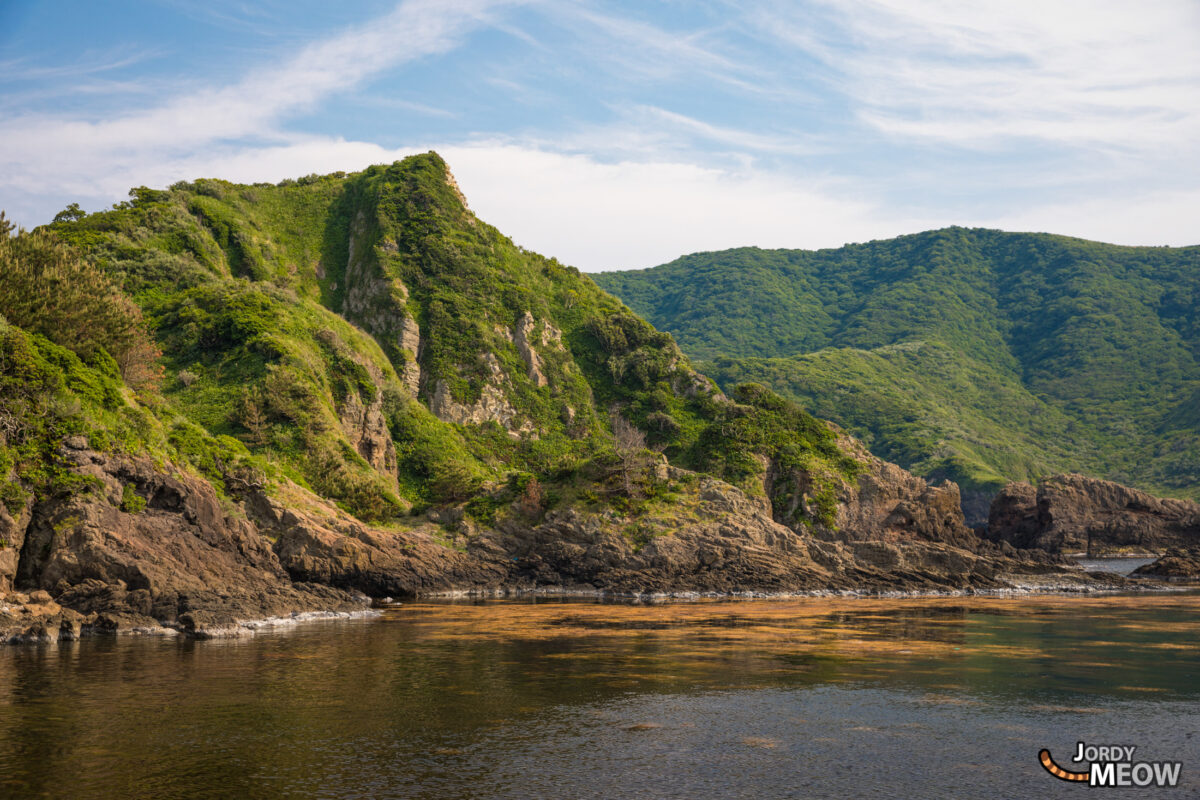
(975, 355)
(131, 501)
(310, 330)
(47, 289)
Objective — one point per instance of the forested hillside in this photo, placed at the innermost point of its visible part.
(976, 355)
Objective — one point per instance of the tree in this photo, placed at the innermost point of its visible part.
(71, 213)
(532, 501)
(46, 288)
(629, 443)
(254, 417)
(6, 227)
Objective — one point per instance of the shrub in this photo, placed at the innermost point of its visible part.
(131, 501)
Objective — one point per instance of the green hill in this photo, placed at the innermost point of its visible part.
(971, 354)
(370, 339)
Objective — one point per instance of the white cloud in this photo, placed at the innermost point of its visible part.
(600, 216)
(596, 216)
(635, 191)
(91, 158)
(1146, 218)
(1098, 73)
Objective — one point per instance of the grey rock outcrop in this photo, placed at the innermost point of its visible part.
(493, 404)
(523, 339)
(410, 347)
(366, 427)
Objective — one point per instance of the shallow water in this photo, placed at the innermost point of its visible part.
(931, 698)
(1121, 566)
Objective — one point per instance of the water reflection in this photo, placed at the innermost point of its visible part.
(576, 699)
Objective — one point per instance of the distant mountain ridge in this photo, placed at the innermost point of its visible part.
(971, 354)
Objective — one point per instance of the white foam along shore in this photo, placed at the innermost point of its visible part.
(1017, 590)
(250, 627)
(46, 632)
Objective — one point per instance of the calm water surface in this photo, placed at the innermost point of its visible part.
(935, 698)
(1121, 566)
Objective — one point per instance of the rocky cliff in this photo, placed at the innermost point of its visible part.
(178, 559)
(1066, 513)
(144, 548)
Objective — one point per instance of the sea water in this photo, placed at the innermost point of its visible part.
(814, 698)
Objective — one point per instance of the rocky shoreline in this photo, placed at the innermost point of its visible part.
(194, 564)
(1075, 513)
(36, 618)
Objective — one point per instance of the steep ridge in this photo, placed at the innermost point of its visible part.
(368, 390)
(973, 355)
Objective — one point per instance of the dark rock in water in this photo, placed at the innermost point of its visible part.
(1065, 512)
(1176, 563)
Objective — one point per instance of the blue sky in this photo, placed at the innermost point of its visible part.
(621, 135)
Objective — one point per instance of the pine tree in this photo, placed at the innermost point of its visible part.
(46, 288)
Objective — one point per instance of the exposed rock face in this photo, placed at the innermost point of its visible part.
(35, 618)
(1178, 563)
(1013, 516)
(320, 544)
(453, 184)
(1064, 510)
(177, 559)
(154, 562)
(492, 406)
(720, 540)
(522, 338)
(12, 538)
(410, 345)
(714, 539)
(367, 429)
(378, 303)
(890, 504)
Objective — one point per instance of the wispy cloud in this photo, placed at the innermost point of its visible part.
(638, 50)
(997, 72)
(744, 140)
(22, 70)
(41, 148)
